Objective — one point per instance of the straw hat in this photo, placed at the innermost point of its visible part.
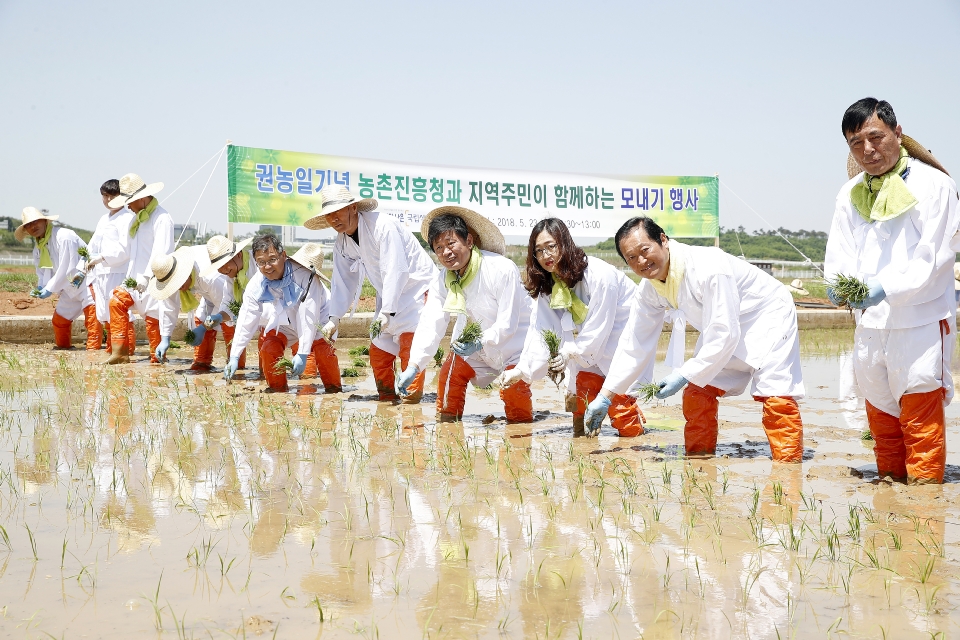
(30, 214)
(797, 287)
(485, 234)
(310, 256)
(220, 251)
(170, 272)
(915, 150)
(334, 197)
(132, 187)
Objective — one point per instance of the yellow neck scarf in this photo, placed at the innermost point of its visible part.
(240, 282)
(670, 289)
(46, 262)
(456, 301)
(879, 198)
(562, 297)
(188, 301)
(142, 217)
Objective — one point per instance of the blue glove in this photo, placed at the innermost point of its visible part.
(231, 368)
(43, 293)
(833, 297)
(162, 348)
(464, 349)
(213, 320)
(78, 279)
(874, 297)
(670, 385)
(593, 418)
(198, 333)
(406, 379)
(299, 364)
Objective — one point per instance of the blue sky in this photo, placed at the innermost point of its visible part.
(753, 91)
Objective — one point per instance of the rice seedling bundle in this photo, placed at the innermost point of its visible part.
(362, 350)
(359, 362)
(283, 364)
(438, 357)
(553, 342)
(234, 307)
(35, 292)
(350, 372)
(83, 253)
(375, 328)
(648, 391)
(189, 336)
(848, 289)
(471, 332)
(130, 283)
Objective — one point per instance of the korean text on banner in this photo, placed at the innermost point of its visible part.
(267, 186)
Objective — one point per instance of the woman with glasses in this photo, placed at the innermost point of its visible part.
(586, 302)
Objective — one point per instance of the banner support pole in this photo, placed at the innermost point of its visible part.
(716, 241)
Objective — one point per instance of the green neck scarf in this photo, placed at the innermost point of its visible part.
(456, 301)
(562, 297)
(240, 282)
(46, 262)
(670, 288)
(879, 198)
(188, 301)
(142, 217)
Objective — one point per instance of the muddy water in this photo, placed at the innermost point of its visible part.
(143, 501)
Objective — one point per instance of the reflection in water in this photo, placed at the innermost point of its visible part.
(135, 498)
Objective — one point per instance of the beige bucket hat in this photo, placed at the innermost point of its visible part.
(221, 250)
(914, 149)
(485, 234)
(132, 187)
(797, 287)
(28, 215)
(310, 256)
(170, 272)
(334, 197)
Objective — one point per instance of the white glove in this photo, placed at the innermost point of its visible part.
(558, 363)
(508, 378)
(332, 326)
(94, 261)
(142, 282)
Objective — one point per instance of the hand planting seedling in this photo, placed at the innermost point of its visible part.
(553, 342)
(438, 357)
(234, 307)
(471, 332)
(130, 283)
(189, 336)
(848, 290)
(283, 364)
(648, 392)
(83, 253)
(35, 292)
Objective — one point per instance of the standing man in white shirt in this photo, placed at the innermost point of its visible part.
(151, 236)
(376, 246)
(895, 227)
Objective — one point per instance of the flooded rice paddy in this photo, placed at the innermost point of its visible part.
(145, 501)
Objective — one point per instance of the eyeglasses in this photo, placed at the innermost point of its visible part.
(548, 250)
(272, 262)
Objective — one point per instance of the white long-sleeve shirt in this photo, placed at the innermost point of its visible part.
(394, 262)
(297, 322)
(608, 294)
(210, 292)
(739, 310)
(495, 298)
(911, 255)
(63, 246)
(111, 241)
(154, 239)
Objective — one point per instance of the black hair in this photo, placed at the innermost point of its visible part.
(264, 242)
(110, 188)
(652, 229)
(447, 222)
(571, 260)
(861, 111)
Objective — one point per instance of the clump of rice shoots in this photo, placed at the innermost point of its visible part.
(848, 290)
(130, 283)
(866, 436)
(83, 253)
(375, 328)
(359, 362)
(189, 336)
(234, 307)
(283, 364)
(349, 372)
(362, 350)
(553, 342)
(438, 357)
(35, 292)
(648, 391)
(471, 332)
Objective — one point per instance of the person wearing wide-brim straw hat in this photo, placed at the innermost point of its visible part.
(478, 284)
(287, 297)
(894, 227)
(375, 246)
(149, 236)
(796, 286)
(54, 256)
(233, 261)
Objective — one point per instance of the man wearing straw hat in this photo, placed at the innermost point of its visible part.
(374, 245)
(54, 256)
(151, 236)
(235, 262)
(895, 228)
(479, 284)
(201, 298)
(288, 298)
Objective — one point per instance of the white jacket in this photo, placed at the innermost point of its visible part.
(210, 292)
(394, 262)
(912, 255)
(739, 310)
(63, 246)
(228, 294)
(495, 298)
(111, 240)
(297, 322)
(154, 239)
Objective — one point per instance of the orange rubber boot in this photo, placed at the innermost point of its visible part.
(700, 406)
(452, 388)
(271, 350)
(106, 332)
(131, 337)
(94, 328)
(153, 336)
(924, 436)
(228, 343)
(382, 364)
(415, 390)
(121, 329)
(888, 446)
(328, 368)
(61, 331)
(517, 401)
(781, 421)
(203, 353)
(624, 413)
